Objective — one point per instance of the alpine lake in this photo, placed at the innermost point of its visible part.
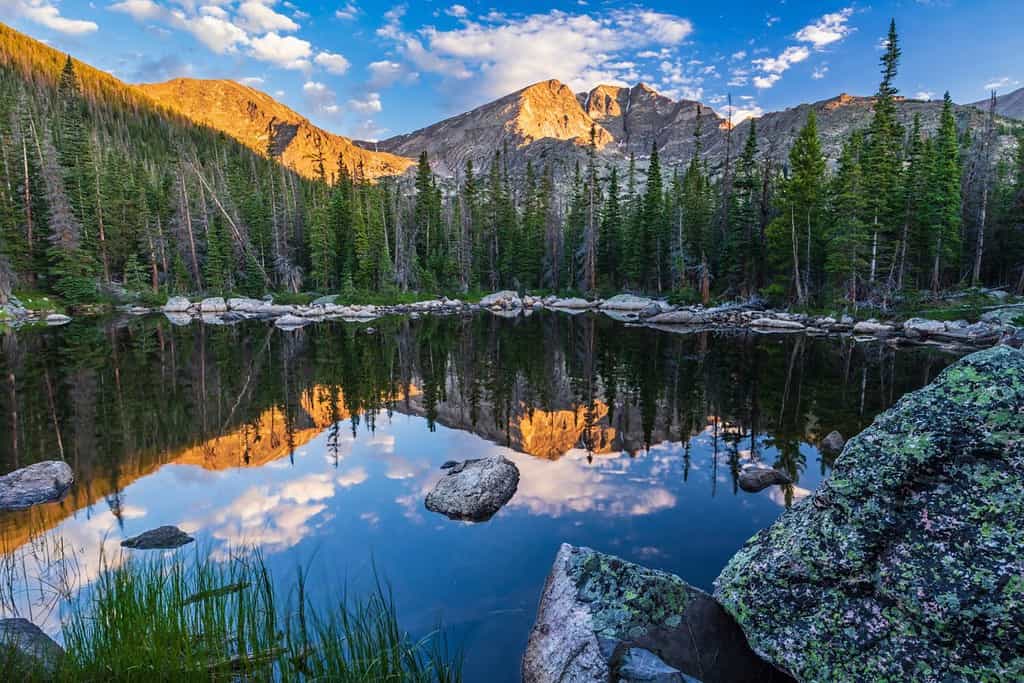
(318, 446)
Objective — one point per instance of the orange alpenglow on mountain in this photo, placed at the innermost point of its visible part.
(249, 116)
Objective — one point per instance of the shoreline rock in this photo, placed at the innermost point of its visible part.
(906, 563)
(597, 614)
(42, 482)
(32, 646)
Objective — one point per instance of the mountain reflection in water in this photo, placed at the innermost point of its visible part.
(319, 446)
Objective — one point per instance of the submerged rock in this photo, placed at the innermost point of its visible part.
(161, 538)
(598, 610)
(30, 645)
(833, 443)
(473, 490)
(754, 479)
(43, 482)
(906, 563)
(643, 666)
(291, 322)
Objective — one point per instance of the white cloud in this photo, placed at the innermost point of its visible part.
(777, 65)
(820, 72)
(334, 63)
(737, 56)
(506, 53)
(218, 35)
(251, 81)
(387, 72)
(257, 17)
(1001, 83)
(924, 95)
(140, 10)
(457, 11)
(347, 13)
(829, 29)
(48, 15)
(367, 105)
(287, 52)
(764, 82)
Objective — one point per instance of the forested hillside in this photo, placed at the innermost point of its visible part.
(103, 187)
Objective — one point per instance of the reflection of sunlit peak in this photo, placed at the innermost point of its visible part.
(552, 433)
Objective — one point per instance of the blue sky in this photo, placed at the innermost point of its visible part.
(374, 69)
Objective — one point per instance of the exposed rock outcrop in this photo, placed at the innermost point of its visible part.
(160, 538)
(598, 610)
(474, 490)
(42, 482)
(906, 563)
(33, 650)
(754, 479)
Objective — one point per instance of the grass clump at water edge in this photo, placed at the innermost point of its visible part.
(173, 619)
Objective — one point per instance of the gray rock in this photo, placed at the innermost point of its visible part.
(177, 304)
(833, 443)
(629, 302)
(213, 304)
(680, 317)
(291, 322)
(597, 607)
(161, 538)
(474, 490)
(55, 319)
(873, 327)
(34, 649)
(43, 482)
(503, 299)
(754, 479)
(1007, 315)
(329, 299)
(777, 324)
(179, 319)
(905, 564)
(918, 328)
(652, 309)
(448, 464)
(572, 303)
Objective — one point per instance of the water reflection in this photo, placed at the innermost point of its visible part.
(319, 446)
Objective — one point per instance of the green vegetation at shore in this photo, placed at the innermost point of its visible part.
(185, 618)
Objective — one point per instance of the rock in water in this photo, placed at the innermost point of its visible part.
(906, 563)
(177, 304)
(161, 538)
(42, 482)
(474, 490)
(754, 479)
(833, 443)
(643, 666)
(28, 643)
(597, 610)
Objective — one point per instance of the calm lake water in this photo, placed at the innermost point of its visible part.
(319, 446)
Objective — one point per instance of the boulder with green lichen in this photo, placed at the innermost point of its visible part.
(908, 563)
(598, 611)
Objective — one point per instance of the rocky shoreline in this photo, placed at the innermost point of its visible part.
(1001, 323)
(904, 565)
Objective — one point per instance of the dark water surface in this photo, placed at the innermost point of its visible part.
(319, 446)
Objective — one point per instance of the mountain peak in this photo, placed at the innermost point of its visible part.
(249, 116)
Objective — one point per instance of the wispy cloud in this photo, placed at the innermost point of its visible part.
(48, 15)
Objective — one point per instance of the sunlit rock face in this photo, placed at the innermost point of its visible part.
(906, 563)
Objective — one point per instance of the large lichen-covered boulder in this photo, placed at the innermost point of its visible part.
(907, 564)
(597, 612)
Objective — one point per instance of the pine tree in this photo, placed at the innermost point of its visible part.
(797, 232)
(609, 243)
(883, 162)
(847, 235)
(944, 197)
(652, 228)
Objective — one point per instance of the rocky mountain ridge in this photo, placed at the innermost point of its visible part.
(253, 117)
(1010, 105)
(546, 123)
